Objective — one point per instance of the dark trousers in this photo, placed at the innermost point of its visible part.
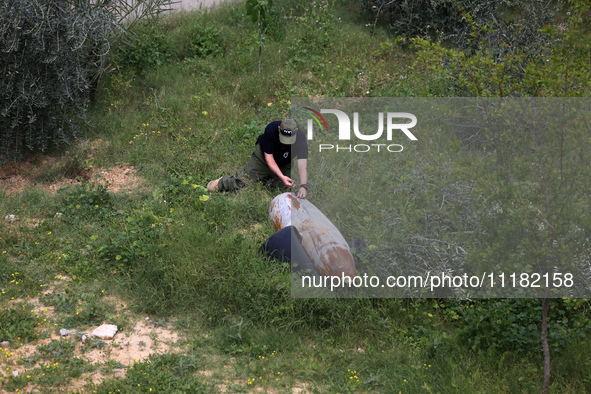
(256, 170)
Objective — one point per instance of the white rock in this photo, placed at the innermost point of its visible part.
(15, 374)
(4, 344)
(64, 332)
(105, 332)
(58, 215)
(10, 218)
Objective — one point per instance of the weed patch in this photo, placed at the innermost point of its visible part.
(19, 323)
(86, 201)
(167, 373)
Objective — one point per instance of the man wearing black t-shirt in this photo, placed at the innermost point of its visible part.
(272, 159)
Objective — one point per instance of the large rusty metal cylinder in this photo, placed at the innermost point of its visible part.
(322, 241)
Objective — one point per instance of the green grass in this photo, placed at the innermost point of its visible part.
(195, 260)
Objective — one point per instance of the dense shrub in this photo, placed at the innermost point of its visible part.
(502, 24)
(49, 53)
(445, 19)
(207, 41)
(315, 26)
(514, 324)
(53, 51)
(538, 53)
(147, 48)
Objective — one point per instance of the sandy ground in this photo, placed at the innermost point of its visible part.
(135, 344)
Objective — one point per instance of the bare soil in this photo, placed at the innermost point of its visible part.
(140, 340)
(51, 174)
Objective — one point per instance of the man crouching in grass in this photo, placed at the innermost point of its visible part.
(271, 160)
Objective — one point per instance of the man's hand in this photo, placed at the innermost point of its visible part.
(302, 193)
(287, 181)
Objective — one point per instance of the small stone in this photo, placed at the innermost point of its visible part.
(10, 218)
(58, 215)
(15, 374)
(64, 332)
(105, 332)
(121, 347)
(84, 337)
(4, 344)
(116, 370)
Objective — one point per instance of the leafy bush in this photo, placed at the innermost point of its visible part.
(315, 25)
(19, 323)
(124, 248)
(514, 324)
(183, 191)
(532, 55)
(86, 201)
(444, 19)
(502, 24)
(51, 52)
(207, 41)
(146, 49)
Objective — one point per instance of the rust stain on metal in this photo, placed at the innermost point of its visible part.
(322, 241)
(342, 260)
(331, 258)
(294, 201)
(306, 225)
(276, 223)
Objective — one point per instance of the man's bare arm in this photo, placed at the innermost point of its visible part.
(303, 171)
(275, 169)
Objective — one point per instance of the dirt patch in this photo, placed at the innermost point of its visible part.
(122, 178)
(142, 338)
(52, 174)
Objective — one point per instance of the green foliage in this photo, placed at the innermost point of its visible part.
(264, 115)
(513, 325)
(184, 191)
(57, 374)
(146, 49)
(530, 57)
(54, 52)
(258, 10)
(18, 323)
(207, 41)
(502, 24)
(440, 19)
(60, 351)
(62, 302)
(533, 221)
(51, 52)
(171, 373)
(314, 35)
(16, 280)
(125, 248)
(86, 201)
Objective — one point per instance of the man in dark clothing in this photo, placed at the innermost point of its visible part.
(271, 160)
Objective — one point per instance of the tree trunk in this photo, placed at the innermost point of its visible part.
(260, 40)
(546, 349)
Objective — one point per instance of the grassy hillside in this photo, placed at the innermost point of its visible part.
(184, 107)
